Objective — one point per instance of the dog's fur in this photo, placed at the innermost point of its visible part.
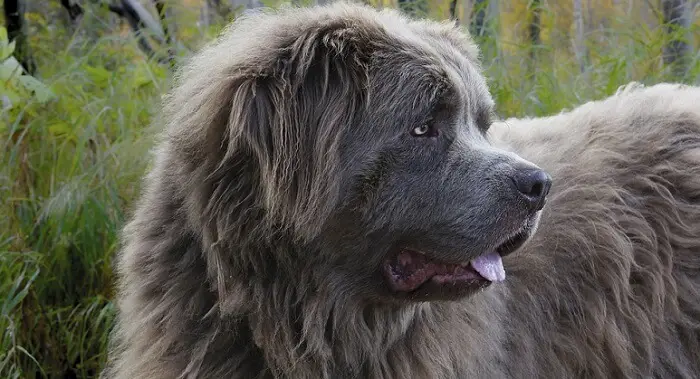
(610, 284)
(252, 251)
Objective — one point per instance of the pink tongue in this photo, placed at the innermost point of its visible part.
(490, 266)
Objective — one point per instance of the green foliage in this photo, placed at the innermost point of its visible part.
(15, 85)
(74, 145)
(72, 151)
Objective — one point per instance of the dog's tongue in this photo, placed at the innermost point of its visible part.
(490, 266)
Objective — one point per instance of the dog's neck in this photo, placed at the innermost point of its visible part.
(303, 327)
(303, 330)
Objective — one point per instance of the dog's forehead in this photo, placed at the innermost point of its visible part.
(464, 75)
(457, 63)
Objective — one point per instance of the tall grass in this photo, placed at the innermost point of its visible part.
(70, 167)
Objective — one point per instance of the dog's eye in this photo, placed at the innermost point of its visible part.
(421, 130)
(424, 130)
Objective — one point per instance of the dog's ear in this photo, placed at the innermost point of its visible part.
(292, 119)
(270, 120)
(254, 135)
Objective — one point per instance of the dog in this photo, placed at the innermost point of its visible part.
(331, 198)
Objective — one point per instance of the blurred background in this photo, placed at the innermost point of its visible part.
(81, 82)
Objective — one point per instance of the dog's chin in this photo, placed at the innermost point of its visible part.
(417, 276)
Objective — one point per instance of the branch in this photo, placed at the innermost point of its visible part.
(135, 24)
(14, 23)
(75, 11)
(144, 18)
(160, 7)
(478, 22)
(453, 11)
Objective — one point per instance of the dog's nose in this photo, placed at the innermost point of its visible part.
(533, 185)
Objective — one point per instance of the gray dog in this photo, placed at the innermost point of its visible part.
(326, 203)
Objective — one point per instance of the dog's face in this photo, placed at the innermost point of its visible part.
(429, 205)
(435, 204)
(369, 134)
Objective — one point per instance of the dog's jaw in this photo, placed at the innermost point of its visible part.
(414, 274)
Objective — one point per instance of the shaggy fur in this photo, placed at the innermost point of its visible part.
(284, 167)
(610, 284)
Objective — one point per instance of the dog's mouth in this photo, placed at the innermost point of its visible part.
(408, 270)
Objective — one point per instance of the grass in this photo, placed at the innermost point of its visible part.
(72, 155)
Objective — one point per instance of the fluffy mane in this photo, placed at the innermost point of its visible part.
(219, 275)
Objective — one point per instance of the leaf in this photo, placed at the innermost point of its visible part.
(16, 295)
(7, 103)
(42, 92)
(9, 68)
(142, 76)
(60, 128)
(6, 50)
(9, 98)
(3, 35)
(99, 75)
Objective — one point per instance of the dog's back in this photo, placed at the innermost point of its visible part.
(610, 284)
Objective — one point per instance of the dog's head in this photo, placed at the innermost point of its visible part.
(361, 139)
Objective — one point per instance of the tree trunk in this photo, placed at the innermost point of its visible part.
(478, 22)
(163, 11)
(207, 13)
(168, 28)
(676, 52)
(579, 40)
(16, 31)
(414, 8)
(453, 10)
(139, 19)
(533, 30)
(464, 15)
(243, 5)
(74, 9)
